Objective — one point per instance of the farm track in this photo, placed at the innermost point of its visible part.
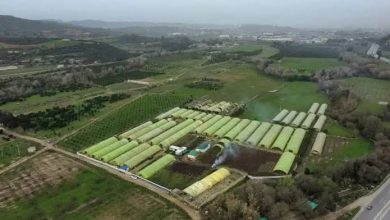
(194, 214)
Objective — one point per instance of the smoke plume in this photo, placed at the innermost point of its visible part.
(230, 151)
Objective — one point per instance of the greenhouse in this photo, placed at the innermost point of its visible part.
(141, 157)
(322, 109)
(279, 117)
(156, 166)
(206, 183)
(258, 134)
(226, 128)
(208, 124)
(296, 140)
(100, 145)
(132, 131)
(109, 148)
(168, 113)
(281, 142)
(200, 116)
(193, 114)
(308, 121)
(320, 123)
(313, 108)
(129, 154)
(119, 151)
(319, 143)
(153, 133)
(298, 120)
(220, 123)
(289, 118)
(244, 135)
(237, 129)
(270, 137)
(179, 112)
(170, 132)
(206, 117)
(147, 129)
(222, 143)
(177, 136)
(186, 114)
(284, 163)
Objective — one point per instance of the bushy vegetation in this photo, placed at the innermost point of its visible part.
(58, 117)
(14, 149)
(123, 76)
(206, 83)
(122, 119)
(299, 50)
(176, 43)
(133, 38)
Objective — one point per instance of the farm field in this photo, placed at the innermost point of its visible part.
(334, 128)
(26, 70)
(37, 103)
(355, 148)
(296, 96)
(76, 191)
(371, 91)
(13, 150)
(120, 120)
(309, 64)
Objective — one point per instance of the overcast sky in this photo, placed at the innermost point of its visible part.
(296, 13)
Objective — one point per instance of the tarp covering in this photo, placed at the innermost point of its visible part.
(319, 144)
(298, 120)
(109, 148)
(207, 182)
(322, 109)
(132, 131)
(156, 140)
(147, 129)
(119, 151)
(136, 160)
(270, 137)
(320, 123)
(313, 108)
(258, 134)
(168, 113)
(129, 154)
(281, 142)
(308, 121)
(244, 134)
(279, 117)
(226, 128)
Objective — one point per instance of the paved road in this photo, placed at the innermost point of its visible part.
(380, 205)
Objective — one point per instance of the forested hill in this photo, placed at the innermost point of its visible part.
(18, 27)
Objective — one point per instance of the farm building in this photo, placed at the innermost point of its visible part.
(322, 109)
(237, 129)
(296, 140)
(132, 131)
(319, 144)
(178, 150)
(226, 128)
(270, 137)
(281, 142)
(320, 123)
(156, 166)
(193, 154)
(308, 121)
(289, 118)
(206, 183)
(284, 163)
(298, 120)
(279, 117)
(244, 134)
(203, 147)
(258, 134)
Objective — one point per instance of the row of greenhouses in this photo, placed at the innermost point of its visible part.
(301, 119)
(207, 183)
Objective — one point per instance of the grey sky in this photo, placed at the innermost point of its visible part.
(297, 13)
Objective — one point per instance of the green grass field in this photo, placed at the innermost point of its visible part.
(93, 194)
(355, 148)
(298, 96)
(122, 119)
(309, 65)
(27, 70)
(334, 128)
(13, 150)
(371, 91)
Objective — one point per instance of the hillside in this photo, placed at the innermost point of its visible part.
(18, 27)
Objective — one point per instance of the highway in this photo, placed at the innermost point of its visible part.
(380, 202)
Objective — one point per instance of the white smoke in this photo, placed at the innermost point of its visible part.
(230, 151)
